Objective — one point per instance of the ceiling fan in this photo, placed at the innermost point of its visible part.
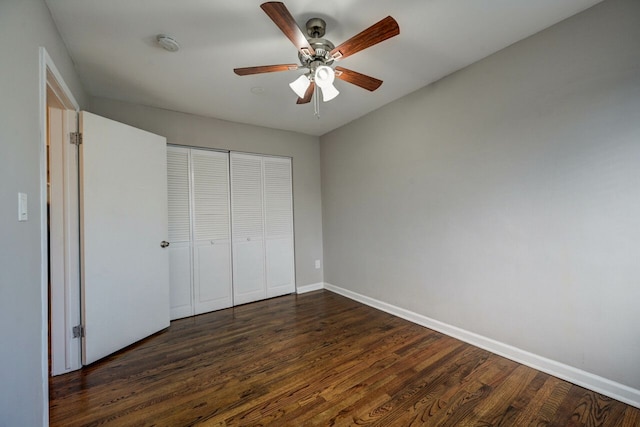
(317, 54)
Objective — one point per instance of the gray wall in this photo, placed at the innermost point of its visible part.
(197, 131)
(24, 26)
(505, 198)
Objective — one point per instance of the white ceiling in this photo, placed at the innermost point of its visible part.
(113, 46)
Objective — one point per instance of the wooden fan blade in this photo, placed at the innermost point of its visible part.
(358, 79)
(280, 15)
(265, 69)
(378, 32)
(307, 95)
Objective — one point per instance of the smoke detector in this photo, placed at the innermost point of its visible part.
(168, 43)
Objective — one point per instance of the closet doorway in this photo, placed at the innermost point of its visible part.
(230, 229)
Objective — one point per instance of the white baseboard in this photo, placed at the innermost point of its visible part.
(309, 288)
(565, 372)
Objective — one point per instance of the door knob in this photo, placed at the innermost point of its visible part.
(164, 244)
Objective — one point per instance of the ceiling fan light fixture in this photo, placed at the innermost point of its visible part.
(324, 77)
(300, 85)
(317, 54)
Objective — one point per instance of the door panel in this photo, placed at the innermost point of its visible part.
(279, 258)
(247, 228)
(213, 276)
(211, 231)
(125, 272)
(278, 214)
(248, 271)
(180, 279)
(180, 269)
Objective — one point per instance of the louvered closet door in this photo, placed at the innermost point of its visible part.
(247, 228)
(180, 265)
(278, 215)
(211, 231)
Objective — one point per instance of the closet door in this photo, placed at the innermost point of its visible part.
(180, 264)
(211, 231)
(247, 228)
(278, 215)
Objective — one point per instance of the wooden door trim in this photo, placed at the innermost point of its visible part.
(49, 77)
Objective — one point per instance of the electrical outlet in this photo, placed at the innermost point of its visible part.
(317, 264)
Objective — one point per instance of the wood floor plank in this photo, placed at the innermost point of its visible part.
(533, 414)
(317, 359)
(495, 410)
(591, 409)
(631, 417)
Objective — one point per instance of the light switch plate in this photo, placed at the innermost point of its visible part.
(317, 263)
(23, 212)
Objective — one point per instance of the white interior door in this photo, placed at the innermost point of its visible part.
(211, 231)
(125, 271)
(247, 228)
(278, 218)
(180, 264)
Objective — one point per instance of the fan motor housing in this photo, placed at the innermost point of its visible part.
(323, 48)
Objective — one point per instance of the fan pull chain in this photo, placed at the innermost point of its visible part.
(316, 102)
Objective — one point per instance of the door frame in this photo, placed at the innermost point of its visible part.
(64, 237)
(49, 76)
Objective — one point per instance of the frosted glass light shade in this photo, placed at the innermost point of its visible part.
(329, 92)
(300, 85)
(324, 78)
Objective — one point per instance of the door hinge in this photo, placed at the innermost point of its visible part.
(78, 331)
(75, 138)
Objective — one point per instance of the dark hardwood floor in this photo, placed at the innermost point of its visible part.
(318, 359)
